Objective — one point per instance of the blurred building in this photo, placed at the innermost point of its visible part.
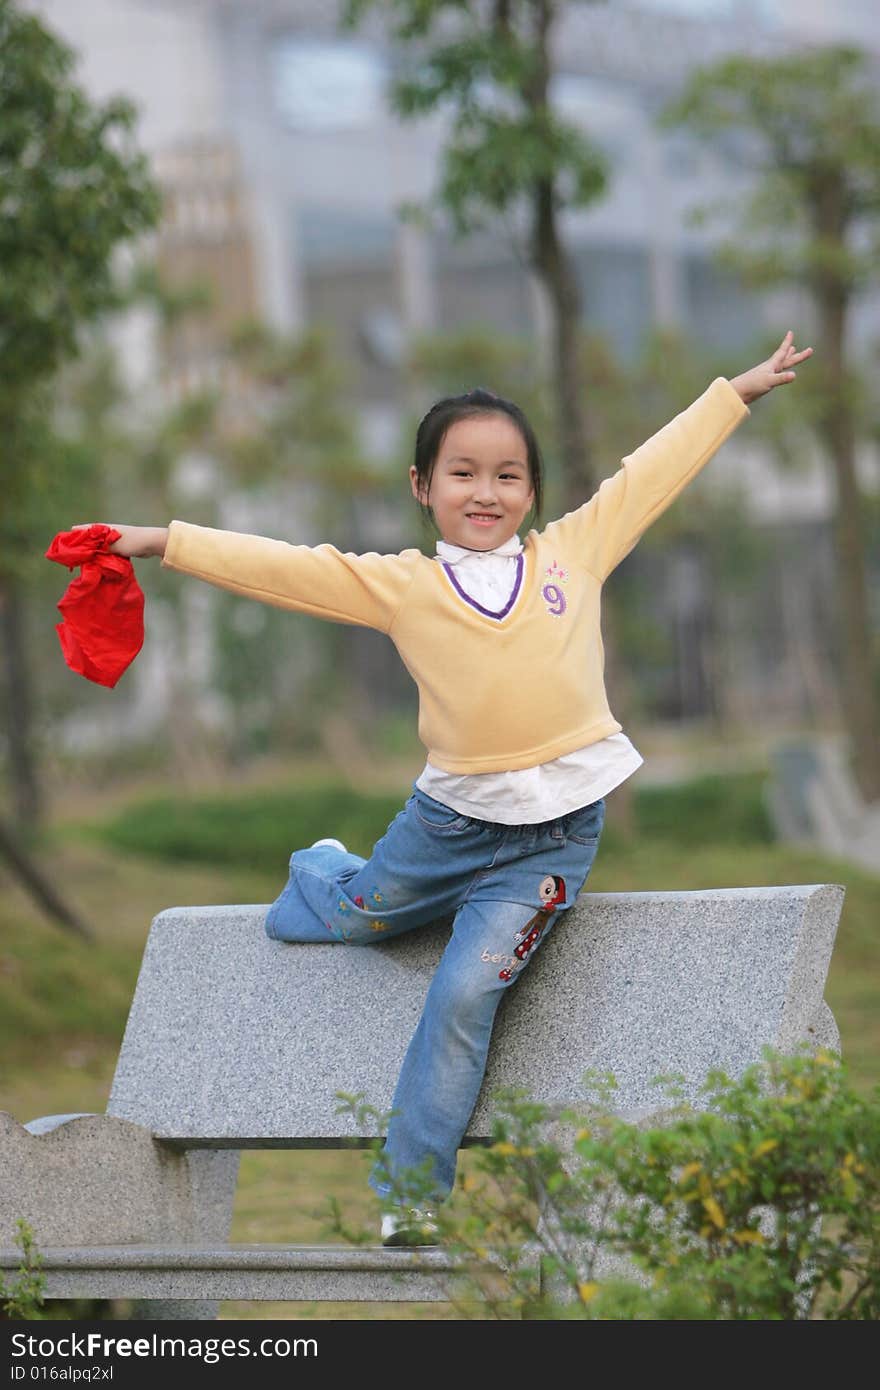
(274, 140)
(284, 170)
(204, 238)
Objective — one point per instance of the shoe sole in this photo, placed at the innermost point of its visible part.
(401, 1238)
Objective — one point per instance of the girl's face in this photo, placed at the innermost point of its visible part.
(481, 490)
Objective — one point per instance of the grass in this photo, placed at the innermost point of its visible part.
(64, 1002)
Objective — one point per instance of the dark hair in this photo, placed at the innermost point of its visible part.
(448, 411)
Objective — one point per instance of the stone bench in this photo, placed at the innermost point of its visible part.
(814, 801)
(235, 1041)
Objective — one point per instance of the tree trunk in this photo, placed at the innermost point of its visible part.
(554, 267)
(37, 884)
(24, 781)
(559, 278)
(857, 683)
(838, 430)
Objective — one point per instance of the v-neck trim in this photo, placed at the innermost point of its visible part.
(472, 602)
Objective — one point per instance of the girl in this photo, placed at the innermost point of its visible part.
(503, 640)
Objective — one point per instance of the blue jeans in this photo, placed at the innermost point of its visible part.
(506, 886)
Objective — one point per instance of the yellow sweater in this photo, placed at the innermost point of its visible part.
(497, 691)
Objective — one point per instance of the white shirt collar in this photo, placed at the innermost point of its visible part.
(452, 554)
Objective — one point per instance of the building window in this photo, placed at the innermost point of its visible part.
(718, 306)
(616, 286)
(345, 237)
(320, 86)
(767, 13)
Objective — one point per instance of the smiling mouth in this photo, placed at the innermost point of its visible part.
(482, 517)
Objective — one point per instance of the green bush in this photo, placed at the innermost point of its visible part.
(706, 810)
(261, 830)
(763, 1203)
(24, 1298)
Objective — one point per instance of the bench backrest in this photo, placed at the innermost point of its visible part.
(238, 1041)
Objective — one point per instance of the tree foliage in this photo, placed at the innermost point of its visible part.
(761, 1201)
(484, 65)
(73, 187)
(805, 128)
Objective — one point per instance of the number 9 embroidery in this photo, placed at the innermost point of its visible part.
(554, 599)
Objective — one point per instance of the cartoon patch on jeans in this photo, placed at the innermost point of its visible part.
(552, 895)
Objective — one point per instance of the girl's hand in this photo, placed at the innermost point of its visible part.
(135, 542)
(776, 371)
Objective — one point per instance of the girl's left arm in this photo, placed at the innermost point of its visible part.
(601, 533)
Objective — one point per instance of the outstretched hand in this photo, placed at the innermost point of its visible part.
(135, 542)
(776, 371)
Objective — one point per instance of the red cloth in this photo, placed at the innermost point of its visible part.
(103, 608)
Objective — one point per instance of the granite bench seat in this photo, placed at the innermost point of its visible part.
(308, 1273)
(235, 1041)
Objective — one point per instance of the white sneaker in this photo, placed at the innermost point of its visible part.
(410, 1226)
(337, 844)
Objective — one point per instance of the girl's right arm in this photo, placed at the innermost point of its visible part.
(135, 542)
(366, 590)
